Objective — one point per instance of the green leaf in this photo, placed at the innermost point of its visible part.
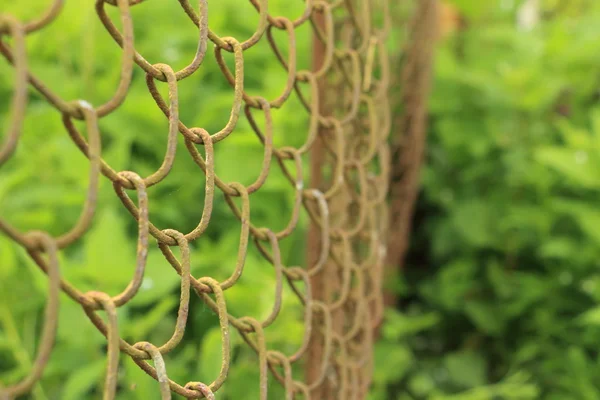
(142, 326)
(586, 215)
(452, 285)
(485, 316)
(397, 358)
(136, 384)
(497, 276)
(466, 368)
(578, 165)
(160, 279)
(559, 248)
(421, 384)
(82, 380)
(590, 317)
(8, 258)
(472, 8)
(473, 220)
(398, 325)
(110, 256)
(210, 363)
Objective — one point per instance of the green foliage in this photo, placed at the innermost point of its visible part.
(506, 242)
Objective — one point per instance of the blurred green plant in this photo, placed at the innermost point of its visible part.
(500, 296)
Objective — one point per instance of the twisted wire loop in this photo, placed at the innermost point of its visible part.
(346, 100)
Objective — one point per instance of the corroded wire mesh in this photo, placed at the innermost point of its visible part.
(349, 124)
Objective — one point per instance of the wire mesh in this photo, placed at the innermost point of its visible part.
(349, 125)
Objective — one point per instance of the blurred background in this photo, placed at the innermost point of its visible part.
(498, 295)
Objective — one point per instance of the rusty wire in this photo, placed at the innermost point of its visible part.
(348, 208)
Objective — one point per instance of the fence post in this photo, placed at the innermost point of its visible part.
(317, 158)
(410, 128)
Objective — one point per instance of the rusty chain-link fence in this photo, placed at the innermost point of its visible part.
(340, 288)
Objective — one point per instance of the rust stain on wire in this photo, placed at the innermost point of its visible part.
(348, 209)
